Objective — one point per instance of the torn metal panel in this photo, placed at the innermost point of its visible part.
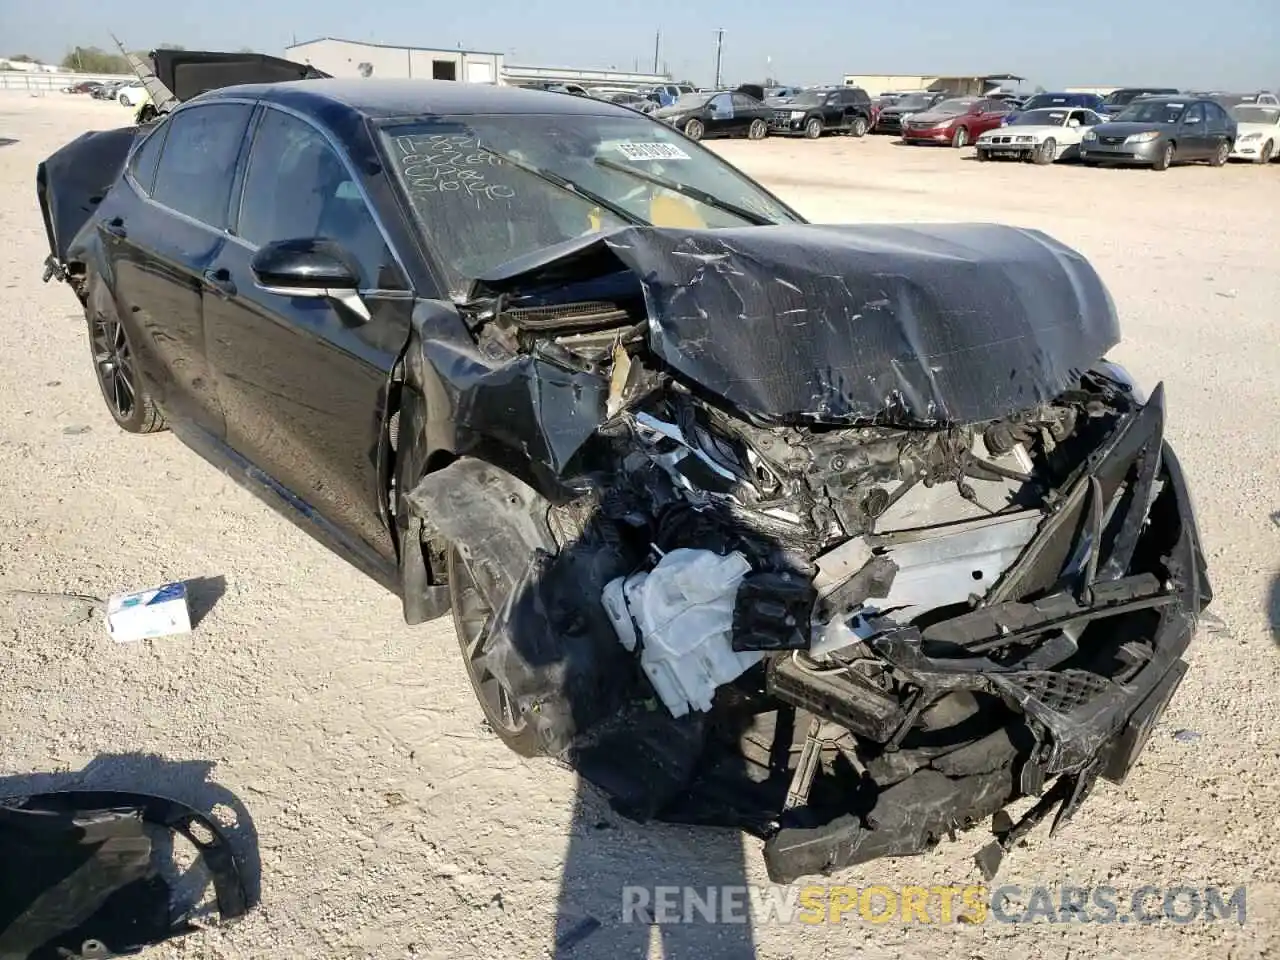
(803, 323)
(84, 876)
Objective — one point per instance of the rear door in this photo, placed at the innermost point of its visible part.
(160, 246)
(303, 381)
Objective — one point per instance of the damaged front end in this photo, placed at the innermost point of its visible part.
(846, 536)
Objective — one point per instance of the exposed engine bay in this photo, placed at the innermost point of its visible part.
(852, 606)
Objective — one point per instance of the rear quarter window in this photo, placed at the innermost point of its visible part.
(146, 158)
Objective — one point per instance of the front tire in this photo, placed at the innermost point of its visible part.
(813, 128)
(960, 138)
(1047, 152)
(127, 398)
(758, 130)
(472, 618)
(125, 101)
(1268, 151)
(694, 129)
(1165, 160)
(1220, 154)
(983, 155)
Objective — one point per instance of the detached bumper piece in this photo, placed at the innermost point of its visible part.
(84, 874)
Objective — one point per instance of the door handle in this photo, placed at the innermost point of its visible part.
(115, 227)
(220, 282)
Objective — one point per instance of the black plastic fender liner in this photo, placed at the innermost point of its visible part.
(80, 874)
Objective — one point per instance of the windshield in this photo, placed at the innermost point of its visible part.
(479, 210)
(810, 98)
(691, 101)
(1042, 100)
(1040, 118)
(912, 101)
(952, 108)
(1152, 111)
(1253, 114)
(1121, 97)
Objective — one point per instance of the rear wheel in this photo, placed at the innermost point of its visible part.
(694, 129)
(1165, 159)
(758, 130)
(859, 127)
(960, 137)
(1220, 154)
(128, 400)
(472, 619)
(813, 128)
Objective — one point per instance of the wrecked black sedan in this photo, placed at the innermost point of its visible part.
(845, 535)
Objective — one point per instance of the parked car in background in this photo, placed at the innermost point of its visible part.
(84, 86)
(1042, 101)
(1160, 131)
(1039, 136)
(890, 117)
(667, 94)
(132, 94)
(785, 94)
(958, 121)
(1257, 132)
(823, 110)
(1115, 101)
(1229, 100)
(107, 91)
(722, 113)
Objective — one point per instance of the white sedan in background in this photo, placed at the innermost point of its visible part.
(1039, 136)
(1257, 132)
(133, 94)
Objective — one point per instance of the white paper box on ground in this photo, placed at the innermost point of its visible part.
(149, 613)
(684, 611)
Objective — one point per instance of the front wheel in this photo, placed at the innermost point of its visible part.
(1047, 152)
(758, 130)
(813, 128)
(960, 138)
(125, 101)
(472, 618)
(1165, 160)
(859, 127)
(694, 129)
(128, 401)
(983, 155)
(1268, 149)
(1220, 154)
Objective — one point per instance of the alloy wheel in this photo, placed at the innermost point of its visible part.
(113, 362)
(472, 618)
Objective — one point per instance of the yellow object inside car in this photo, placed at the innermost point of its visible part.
(666, 209)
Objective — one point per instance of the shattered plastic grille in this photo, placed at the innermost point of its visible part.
(1063, 691)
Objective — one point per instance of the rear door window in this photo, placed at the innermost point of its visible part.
(199, 160)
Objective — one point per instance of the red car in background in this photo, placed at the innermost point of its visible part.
(957, 122)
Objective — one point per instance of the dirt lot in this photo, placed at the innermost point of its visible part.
(389, 824)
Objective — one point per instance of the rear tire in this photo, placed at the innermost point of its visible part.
(1220, 154)
(1165, 160)
(126, 395)
(813, 128)
(859, 127)
(472, 617)
(960, 138)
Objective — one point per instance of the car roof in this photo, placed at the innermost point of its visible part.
(413, 98)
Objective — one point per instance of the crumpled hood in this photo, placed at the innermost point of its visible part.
(804, 323)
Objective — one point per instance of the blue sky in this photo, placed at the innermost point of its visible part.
(1230, 43)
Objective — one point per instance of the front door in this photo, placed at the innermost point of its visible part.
(303, 381)
(721, 117)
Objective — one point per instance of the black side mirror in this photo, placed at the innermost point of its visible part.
(309, 267)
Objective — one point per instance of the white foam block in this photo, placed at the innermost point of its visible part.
(149, 613)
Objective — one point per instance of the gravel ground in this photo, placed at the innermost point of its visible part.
(386, 822)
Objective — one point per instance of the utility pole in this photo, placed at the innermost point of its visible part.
(657, 47)
(719, 45)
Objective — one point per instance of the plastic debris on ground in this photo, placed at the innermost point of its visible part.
(158, 612)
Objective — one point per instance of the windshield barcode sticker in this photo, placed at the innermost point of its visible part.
(652, 151)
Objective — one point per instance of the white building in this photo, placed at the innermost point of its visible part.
(354, 58)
